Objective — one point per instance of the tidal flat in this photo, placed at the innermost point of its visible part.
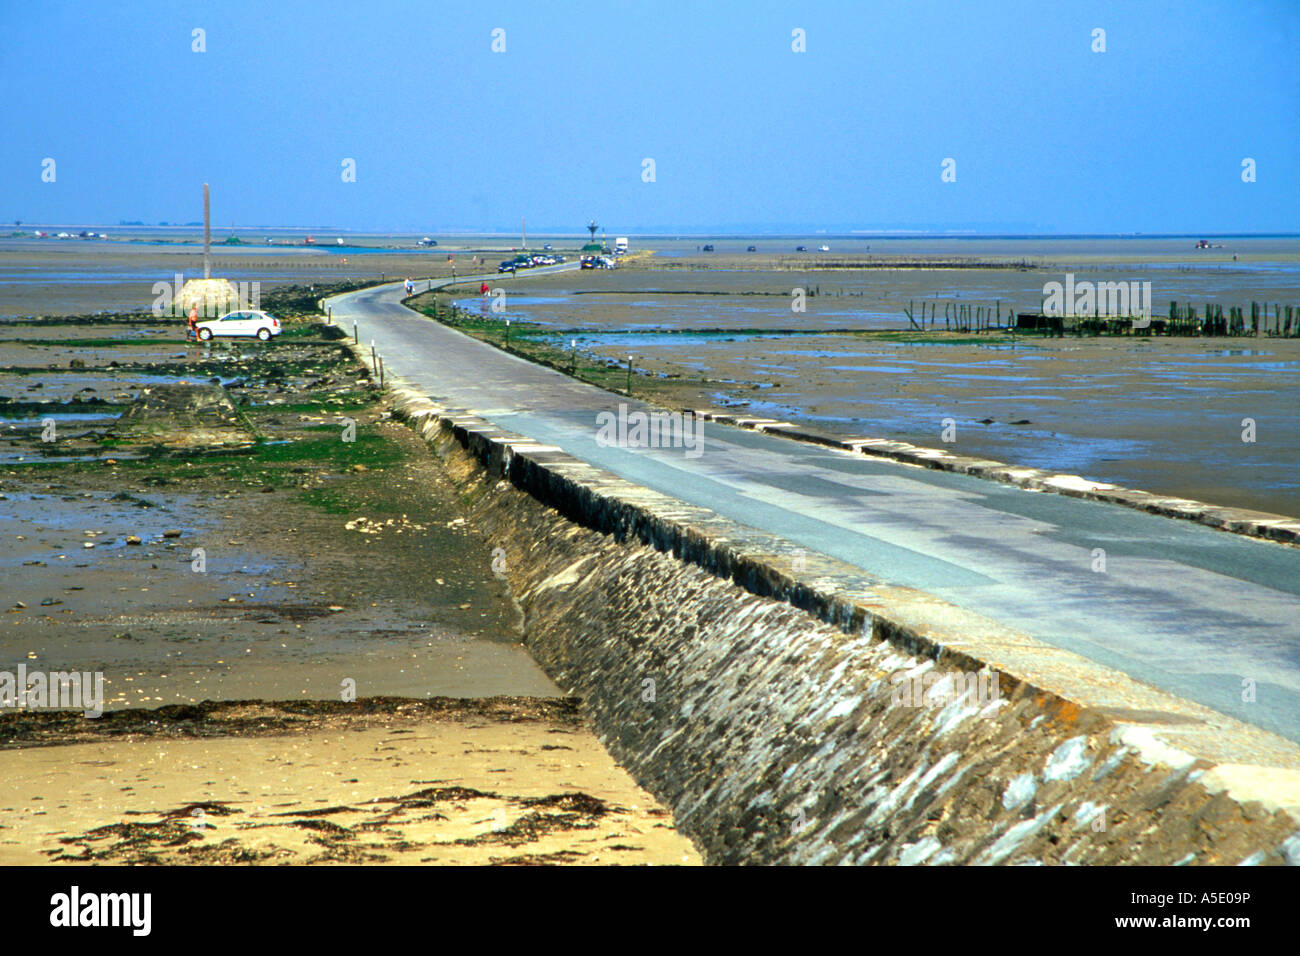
(306, 654)
(1208, 418)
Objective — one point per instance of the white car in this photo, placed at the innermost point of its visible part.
(261, 324)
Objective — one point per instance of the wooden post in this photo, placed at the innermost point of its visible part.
(629, 376)
(207, 235)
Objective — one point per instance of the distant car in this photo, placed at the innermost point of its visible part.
(708, 248)
(587, 262)
(507, 266)
(605, 262)
(426, 241)
(261, 324)
(751, 249)
(823, 248)
(800, 248)
(548, 247)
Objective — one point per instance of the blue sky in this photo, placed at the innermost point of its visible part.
(745, 134)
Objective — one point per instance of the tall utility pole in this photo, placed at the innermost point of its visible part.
(523, 233)
(207, 235)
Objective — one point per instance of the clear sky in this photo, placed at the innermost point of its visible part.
(745, 134)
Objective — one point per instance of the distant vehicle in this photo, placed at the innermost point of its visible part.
(823, 248)
(338, 242)
(708, 248)
(800, 248)
(605, 262)
(426, 241)
(261, 324)
(507, 266)
(587, 262)
(620, 246)
(752, 249)
(548, 247)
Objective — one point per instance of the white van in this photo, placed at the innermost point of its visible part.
(620, 245)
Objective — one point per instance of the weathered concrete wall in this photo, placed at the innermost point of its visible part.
(756, 696)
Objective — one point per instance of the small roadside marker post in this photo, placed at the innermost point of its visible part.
(374, 357)
(629, 376)
(355, 339)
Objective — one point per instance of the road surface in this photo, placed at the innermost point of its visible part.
(1201, 613)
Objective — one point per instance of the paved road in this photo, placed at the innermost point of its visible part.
(1189, 609)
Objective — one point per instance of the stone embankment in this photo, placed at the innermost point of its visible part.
(789, 709)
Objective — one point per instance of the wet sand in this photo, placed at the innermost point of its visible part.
(342, 576)
(45, 277)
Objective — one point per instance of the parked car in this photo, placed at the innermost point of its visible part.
(751, 249)
(548, 247)
(709, 247)
(262, 324)
(800, 248)
(587, 262)
(507, 266)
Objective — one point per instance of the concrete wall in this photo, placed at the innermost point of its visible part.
(757, 692)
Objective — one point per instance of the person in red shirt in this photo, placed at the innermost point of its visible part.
(193, 323)
(483, 289)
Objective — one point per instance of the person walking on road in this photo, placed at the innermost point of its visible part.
(192, 323)
(409, 286)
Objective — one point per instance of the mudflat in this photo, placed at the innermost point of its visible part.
(243, 522)
(1208, 418)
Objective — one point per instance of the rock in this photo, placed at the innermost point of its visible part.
(172, 533)
(77, 363)
(133, 539)
(50, 602)
(359, 468)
